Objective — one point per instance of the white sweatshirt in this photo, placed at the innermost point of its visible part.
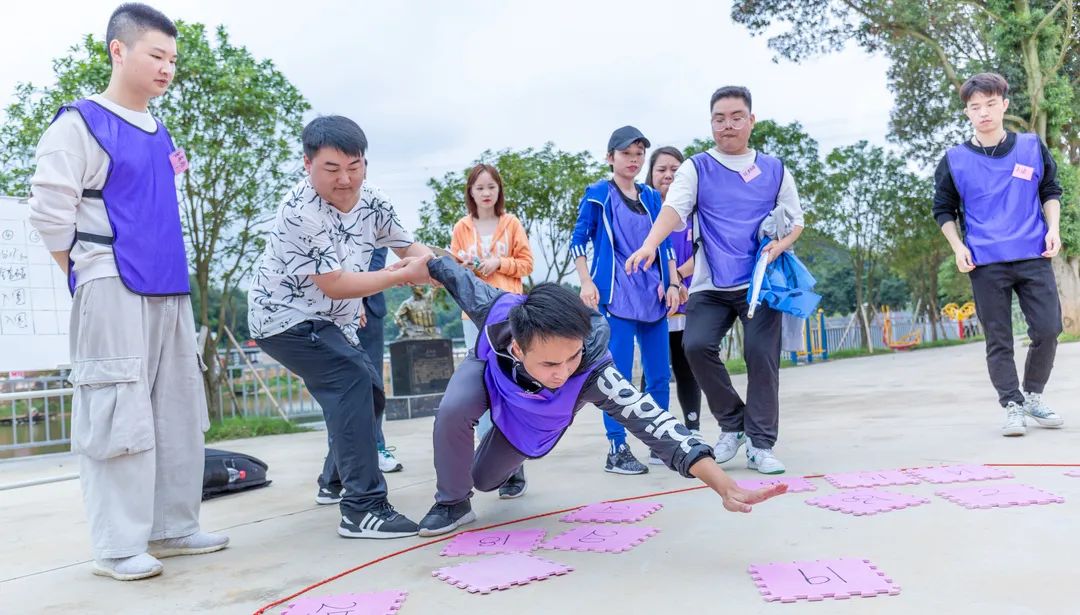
(69, 160)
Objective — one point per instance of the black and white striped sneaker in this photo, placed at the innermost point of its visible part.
(380, 523)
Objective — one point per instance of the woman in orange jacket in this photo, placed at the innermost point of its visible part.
(494, 245)
(489, 240)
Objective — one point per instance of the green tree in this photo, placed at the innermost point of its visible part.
(237, 117)
(917, 249)
(863, 185)
(830, 263)
(543, 188)
(932, 47)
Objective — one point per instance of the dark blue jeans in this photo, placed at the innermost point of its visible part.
(342, 380)
(652, 339)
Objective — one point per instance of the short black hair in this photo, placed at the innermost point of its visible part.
(549, 310)
(660, 151)
(732, 91)
(130, 20)
(988, 84)
(334, 131)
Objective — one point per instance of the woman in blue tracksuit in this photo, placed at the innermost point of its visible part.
(615, 216)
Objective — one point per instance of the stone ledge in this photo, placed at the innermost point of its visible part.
(411, 406)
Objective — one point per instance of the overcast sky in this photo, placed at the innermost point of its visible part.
(433, 84)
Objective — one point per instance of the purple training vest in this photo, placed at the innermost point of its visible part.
(140, 200)
(1002, 212)
(531, 422)
(634, 296)
(682, 242)
(730, 211)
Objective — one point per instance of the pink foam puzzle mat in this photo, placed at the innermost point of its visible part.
(958, 474)
(828, 578)
(500, 572)
(1000, 496)
(378, 603)
(612, 512)
(795, 484)
(1073, 473)
(870, 478)
(492, 542)
(601, 538)
(865, 501)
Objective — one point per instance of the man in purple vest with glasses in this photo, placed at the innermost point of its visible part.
(731, 190)
(104, 201)
(540, 357)
(1002, 188)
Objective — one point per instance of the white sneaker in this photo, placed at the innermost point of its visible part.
(132, 568)
(763, 460)
(1038, 410)
(1014, 420)
(387, 462)
(195, 544)
(728, 445)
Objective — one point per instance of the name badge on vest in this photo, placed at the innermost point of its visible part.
(179, 161)
(1023, 171)
(749, 173)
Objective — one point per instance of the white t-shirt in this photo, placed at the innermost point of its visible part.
(311, 237)
(682, 197)
(70, 160)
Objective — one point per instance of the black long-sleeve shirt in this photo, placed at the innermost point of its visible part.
(605, 387)
(948, 207)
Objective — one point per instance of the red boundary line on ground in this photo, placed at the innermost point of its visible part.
(305, 590)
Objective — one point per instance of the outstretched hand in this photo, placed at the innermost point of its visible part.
(738, 499)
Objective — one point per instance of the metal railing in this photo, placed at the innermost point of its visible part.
(35, 413)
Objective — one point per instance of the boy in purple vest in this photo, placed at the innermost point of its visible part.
(538, 359)
(731, 190)
(1002, 188)
(104, 200)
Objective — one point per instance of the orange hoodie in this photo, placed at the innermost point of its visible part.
(508, 242)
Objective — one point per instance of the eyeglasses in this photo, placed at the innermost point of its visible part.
(734, 122)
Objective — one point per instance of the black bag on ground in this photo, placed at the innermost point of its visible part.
(227, 472)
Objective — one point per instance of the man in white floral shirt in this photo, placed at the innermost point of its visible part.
(307, 298)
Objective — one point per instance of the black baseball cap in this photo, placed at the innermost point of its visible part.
(623, 137)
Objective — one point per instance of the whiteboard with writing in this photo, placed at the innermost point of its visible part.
(34, 299)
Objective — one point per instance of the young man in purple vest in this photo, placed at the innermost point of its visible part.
(104, 200)
(731, 190)
(539, 358)
(1002, 188)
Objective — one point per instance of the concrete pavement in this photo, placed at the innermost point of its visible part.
(903, 410)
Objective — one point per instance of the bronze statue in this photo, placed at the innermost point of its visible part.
(415, 317)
